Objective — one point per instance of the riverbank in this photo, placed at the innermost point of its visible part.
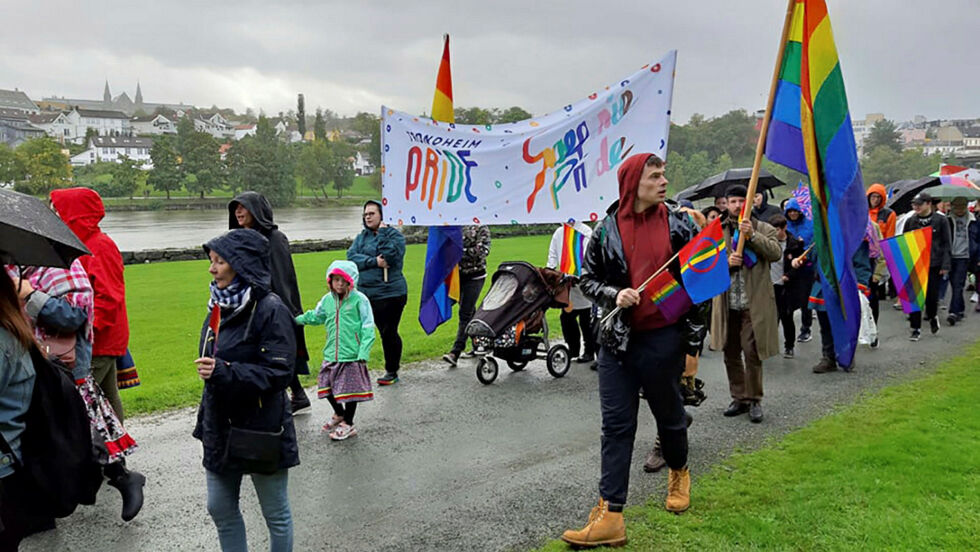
(119, 204)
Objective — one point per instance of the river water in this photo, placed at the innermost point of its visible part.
(137, 230)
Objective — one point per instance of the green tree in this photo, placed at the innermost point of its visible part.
(513, 115)
(11, 168)
(185, 129)
(369, 125)
(313, 166)
(319, 126)
(343, 168)
(473, 116)
(301, 116)
(263, 164)
(885, 165)
(127, 176)
(883, 133)
(45, 167)
(166, 173)
(201, 158)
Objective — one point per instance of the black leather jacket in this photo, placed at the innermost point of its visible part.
(604, 274)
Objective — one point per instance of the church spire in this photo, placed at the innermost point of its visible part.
(139, 94)
(106, 96)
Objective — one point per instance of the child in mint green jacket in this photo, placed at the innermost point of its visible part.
(343, 378)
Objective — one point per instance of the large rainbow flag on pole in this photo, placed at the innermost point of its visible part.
(809, 130)
(444, 249)
(907, 256)
(572, 250)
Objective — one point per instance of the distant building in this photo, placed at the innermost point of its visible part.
(16, 128)
(153, 124)
(104, 122)
(58, 125)
(950, 133)
(18, 100)
(113, 148)
(242, 131)
(214, 124)
(971, 138)
(122, 102)
(361, 165)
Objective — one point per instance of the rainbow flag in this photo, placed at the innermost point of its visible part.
(704, 264)
(810, 131)
(572, 250)
(440, 281)
(907, 256)
(671, 299)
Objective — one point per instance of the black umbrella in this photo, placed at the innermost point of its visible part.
(32, 235)
(901, 192)
(717, 185)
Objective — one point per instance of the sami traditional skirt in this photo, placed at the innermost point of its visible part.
(346, 381)
(109, 438)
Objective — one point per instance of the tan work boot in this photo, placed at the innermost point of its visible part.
(604, 528)
(678, 490)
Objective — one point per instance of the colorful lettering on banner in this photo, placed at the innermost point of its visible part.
(555, 168)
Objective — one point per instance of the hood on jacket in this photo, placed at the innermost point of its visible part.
(345, 269)
(880, 190)
(80, 208)
(247, 251)
(629, 180)
(256, 204)
(381, 210)
(792, 205)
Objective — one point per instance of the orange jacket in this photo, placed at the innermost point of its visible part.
(882, 215)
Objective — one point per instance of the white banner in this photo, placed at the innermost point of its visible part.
(555, 168)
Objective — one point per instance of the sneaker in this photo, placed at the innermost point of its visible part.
(897, 306)
(916, 334)
(468, 354)
(585, 358)
(388, 379)
(805, 336)
(874, 344)
(332, 424)
(594, 367)
(300, 404)
(343, 431)
(951, 320)
(974, 297)
(788, 353)
(934, 325)
(450, 359)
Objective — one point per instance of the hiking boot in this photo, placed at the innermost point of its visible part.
(678, 490)
(736, 408)
(789, 353)
(130, 486)
(755, 412)
(388, 379)
(343, 431)
(824, 366)
(299, 404)
(915, 335)
(655, 459)
(934, 325)
(604, 528)
(451, 358)
(805, 336)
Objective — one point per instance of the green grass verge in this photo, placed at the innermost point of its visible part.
(899, 470)
(167, 303)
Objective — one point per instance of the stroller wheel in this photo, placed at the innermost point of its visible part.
(517, 365)
(559, 359)
(486, 370)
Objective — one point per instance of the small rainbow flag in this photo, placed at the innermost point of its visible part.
(671, 299)
(907, 256)
(572, 251)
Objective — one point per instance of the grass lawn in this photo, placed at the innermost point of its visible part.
(899, 470)
(167, 303)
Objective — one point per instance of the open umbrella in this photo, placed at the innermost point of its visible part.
(903, 191)
(32, 235)
(715, 186)
(950, 191)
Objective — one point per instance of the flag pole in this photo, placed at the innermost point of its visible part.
(764, 131)
(641, 288)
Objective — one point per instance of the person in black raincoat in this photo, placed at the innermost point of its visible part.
(252, 210)
(244, 411)
(761, 208)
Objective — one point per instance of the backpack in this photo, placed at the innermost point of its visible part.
(58, 470)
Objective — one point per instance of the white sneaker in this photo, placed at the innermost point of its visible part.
(343, 431)
(974, 297)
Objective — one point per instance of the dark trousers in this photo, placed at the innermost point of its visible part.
(387, 316)
(784, 307)
(957, 281)
(345, 411)
(826, 336)
(744, 378)
(570, 324)
(878, 292)
(653, 362)
(469, 292)
(806, 314)
(932, 299)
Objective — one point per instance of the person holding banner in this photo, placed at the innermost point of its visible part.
(379, 253)
(940, 259)
(640, 347)
(244, 422)
(744, 321)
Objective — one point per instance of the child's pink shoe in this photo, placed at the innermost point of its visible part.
(342, 432)
(333, 423)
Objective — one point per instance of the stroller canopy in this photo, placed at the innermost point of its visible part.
(518, 289)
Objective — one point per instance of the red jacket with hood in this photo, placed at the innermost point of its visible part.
(82, 209)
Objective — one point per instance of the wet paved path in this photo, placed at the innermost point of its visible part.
(445, 463)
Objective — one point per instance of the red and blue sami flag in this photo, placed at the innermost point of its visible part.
(810, 131)
(704, 264)
(671, 299)
(572, 250)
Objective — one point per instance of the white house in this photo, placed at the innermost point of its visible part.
(971, 137)
(17, 99)
(105, 123)
(58, 126)
(214, 124)
(242, 131)
(362, 165)
(113, 148)
(153, 124)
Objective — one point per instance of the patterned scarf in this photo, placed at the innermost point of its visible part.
(72, 285)
(233, 297)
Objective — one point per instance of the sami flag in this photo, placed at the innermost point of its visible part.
(214, 323)
(671, 299)
(704, 264)
(907, 256)
(572, 251)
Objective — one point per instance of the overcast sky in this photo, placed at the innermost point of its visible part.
(354, 55)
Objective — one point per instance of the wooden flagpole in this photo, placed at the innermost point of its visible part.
(763, 132)
(642, 287)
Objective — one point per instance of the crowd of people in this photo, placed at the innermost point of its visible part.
(252, 346)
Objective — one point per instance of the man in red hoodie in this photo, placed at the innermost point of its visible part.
(640, 348)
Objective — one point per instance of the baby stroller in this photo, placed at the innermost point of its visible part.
(510, 323)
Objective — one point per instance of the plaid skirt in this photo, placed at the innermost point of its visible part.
(109, 438)
(346, 381)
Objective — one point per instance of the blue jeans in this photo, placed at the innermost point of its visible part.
(957, 281)
(223, 493)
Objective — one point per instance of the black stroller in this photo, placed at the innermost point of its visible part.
(510, 323)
